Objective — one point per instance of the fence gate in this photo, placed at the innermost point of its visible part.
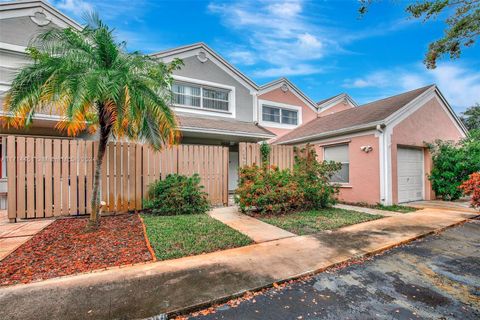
(281, 156)
(54, 177)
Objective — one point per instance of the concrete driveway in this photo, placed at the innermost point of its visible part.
(434, 278)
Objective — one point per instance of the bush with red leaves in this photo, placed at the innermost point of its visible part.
(471, 187)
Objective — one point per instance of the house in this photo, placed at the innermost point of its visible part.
(382, 145)
(214, 102)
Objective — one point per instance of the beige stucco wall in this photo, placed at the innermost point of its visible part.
(364, 185)
(425, 125)
(277, 95)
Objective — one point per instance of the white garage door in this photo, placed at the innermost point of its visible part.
(410, 174)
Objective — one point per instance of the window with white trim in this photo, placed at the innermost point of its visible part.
(279, 115)
(198, 96)
(338, 153)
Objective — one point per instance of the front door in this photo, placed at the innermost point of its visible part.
(232, 170)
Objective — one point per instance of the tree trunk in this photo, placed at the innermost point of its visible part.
(105, 129)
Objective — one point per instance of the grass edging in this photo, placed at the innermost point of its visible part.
(147, 241)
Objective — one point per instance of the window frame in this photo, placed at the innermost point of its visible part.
(230, 90)
(348, 152)
(281, 106)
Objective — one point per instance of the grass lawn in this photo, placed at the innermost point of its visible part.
(308, 222)
(396, 208)
(185, 235)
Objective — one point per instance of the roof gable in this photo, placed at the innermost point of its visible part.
(288, 85)
(39, 11)
(366, 116)
(326, 104)
(205, 53)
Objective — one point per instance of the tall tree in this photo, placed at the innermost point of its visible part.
(94, 83)
(462, 20)
(471, 117)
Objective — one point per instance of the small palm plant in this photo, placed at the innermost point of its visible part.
(95, 84)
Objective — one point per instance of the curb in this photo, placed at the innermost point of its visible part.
(224, 299)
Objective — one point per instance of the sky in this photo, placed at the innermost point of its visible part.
(323, 47)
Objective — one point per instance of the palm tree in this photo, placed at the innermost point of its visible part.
(93, 82)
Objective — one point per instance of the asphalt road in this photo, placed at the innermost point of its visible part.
(437, 277)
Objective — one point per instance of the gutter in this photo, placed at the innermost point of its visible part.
(226, 132)
(364, 127)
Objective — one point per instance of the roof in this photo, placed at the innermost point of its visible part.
(200, 45)
(326, 104)
(29, 7)
(369, 114)
(279, 82)
(218, 125)
(328, 99)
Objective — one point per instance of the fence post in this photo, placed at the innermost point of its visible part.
(11, 179)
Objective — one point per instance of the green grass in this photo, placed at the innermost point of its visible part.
(396, 208)
(308, 222)
(185, 235)
(379, 206)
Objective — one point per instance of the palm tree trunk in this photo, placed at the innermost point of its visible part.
(105, 130)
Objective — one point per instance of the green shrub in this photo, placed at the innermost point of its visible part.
(452, 165)
(268, 190)
(175, 195)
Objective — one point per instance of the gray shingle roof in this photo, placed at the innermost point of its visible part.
(222, 124)
(368, 113)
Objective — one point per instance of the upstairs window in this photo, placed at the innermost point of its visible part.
(197, 96)
(279, 115)
(338, 153)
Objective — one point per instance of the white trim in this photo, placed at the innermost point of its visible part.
(37, 116)
(226, 132)
(263, 123)
(335, 101)
(344, 137)
(327, 134)
(12, 48)
(28, 8)
(231, 113)
(294, 89)
(195, 49)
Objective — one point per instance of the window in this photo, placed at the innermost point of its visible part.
(279, 115)
(200, 97)
(338, 153)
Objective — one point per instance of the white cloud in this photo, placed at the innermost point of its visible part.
(76, 7)
(276, 72)
(459, 84)
(279, 34)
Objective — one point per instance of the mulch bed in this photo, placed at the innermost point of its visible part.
(64, 248)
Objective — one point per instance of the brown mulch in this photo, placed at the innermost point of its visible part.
(64, 248)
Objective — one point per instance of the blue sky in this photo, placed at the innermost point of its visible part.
(321, 46)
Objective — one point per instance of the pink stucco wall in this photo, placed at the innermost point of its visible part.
(364, 185)
(338, 107)
(427, 124)
(277, 95)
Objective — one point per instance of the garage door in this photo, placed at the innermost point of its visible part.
(410, 174)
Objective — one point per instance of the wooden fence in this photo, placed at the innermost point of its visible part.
(280, 155)
(54, 177)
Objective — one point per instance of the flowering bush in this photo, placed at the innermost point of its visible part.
(267, 190)
(471, 187)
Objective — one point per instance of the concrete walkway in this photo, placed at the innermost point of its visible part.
(142, 291)
(257, 230)
(13, 235)
(385, 213)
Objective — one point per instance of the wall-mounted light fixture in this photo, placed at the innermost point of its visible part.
(366, 149)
